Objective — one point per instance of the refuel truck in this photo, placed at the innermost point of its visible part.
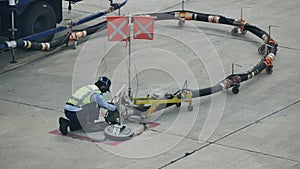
(19, 18)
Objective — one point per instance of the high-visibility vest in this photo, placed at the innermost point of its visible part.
(83, 95)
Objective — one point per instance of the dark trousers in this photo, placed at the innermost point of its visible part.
(78, 120)
(74, 122)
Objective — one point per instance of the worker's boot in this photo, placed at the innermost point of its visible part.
(63, 125)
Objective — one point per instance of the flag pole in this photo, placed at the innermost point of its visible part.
(129, 57)
(121, 30)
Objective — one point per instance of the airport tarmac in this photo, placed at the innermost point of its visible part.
(257, 128)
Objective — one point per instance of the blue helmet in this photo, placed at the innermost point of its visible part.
(103, 84)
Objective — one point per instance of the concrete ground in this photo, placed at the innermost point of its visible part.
(258, 128)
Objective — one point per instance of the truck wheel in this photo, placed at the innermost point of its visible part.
(38, 17)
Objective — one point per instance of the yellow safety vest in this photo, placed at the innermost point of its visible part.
(83, 95)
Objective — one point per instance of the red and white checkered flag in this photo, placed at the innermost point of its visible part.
(118, 28)
(143, 27)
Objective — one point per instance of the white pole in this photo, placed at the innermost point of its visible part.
(129, 56)
(12, 3)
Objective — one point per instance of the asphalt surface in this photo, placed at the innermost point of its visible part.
(258, 128)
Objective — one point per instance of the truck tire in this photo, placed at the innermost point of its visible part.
(38, 17)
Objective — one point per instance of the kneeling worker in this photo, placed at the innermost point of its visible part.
(82, 108)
